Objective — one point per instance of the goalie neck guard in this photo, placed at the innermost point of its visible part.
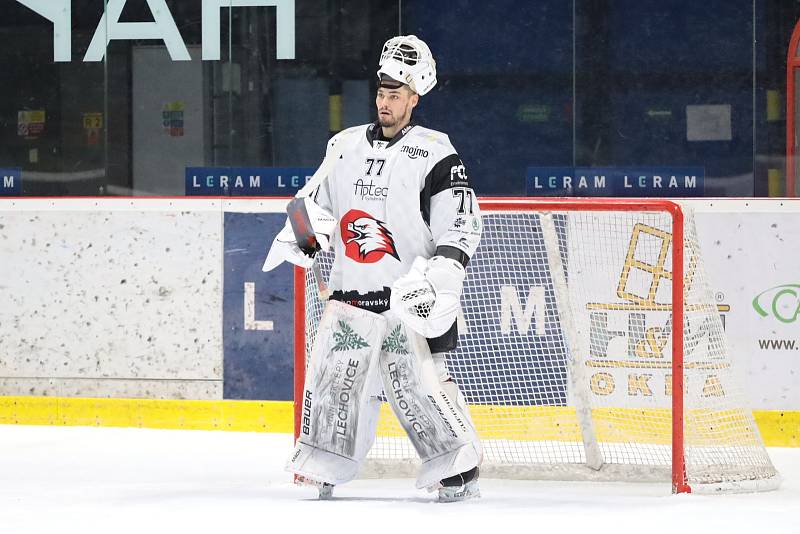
(407, 59)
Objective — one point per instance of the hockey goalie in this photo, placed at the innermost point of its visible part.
(394, 201)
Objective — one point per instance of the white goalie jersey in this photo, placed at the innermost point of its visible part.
(395, 200)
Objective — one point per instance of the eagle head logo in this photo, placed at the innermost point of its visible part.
(366, 239)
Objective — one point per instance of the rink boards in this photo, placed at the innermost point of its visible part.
(154, 312)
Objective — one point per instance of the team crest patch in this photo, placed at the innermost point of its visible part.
(347, 339)
(366, 239)
(396, 342)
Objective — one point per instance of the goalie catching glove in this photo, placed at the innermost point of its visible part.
(427, 298)
(308, 230)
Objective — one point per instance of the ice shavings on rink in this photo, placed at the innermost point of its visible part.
(119, 480)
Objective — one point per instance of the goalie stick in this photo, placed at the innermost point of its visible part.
(298, 215)
(306, 240)
(321, 173)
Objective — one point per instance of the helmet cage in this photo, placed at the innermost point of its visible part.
(408, 59)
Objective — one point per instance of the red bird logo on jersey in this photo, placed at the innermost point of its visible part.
(366, 239)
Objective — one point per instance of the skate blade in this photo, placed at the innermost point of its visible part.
(324, 489)
(470, 490)
(325, 492)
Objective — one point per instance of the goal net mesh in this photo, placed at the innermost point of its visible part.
(565, 355)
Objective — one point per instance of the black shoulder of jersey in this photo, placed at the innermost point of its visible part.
(446, 174)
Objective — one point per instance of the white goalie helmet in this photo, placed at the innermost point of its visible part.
(407, 59)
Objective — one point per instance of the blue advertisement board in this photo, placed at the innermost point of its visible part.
(245, 181)
(258, 318)
(615, 181)
(10, 182)
(529, 362)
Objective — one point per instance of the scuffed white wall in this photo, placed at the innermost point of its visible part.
(111, 298)
(123, 297)
(751, 250)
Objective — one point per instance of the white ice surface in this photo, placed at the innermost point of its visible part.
(111, 481)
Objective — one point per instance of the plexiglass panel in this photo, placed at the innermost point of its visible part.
(544, 86)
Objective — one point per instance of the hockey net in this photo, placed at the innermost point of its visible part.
(572, 360)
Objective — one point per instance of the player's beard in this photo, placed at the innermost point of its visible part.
(392, 120)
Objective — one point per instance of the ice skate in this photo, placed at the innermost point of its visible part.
(324, 490)
(460, 487)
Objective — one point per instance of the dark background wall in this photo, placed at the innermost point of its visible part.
(535, 83)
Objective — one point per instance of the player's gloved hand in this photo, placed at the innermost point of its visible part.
(427, 298)
(285, 247)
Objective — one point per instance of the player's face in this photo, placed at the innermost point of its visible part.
(395, 106)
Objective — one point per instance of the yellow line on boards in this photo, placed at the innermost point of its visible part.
(243, 416)
(778, 428)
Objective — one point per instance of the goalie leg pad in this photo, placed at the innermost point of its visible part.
(436, 423)
(339, 415)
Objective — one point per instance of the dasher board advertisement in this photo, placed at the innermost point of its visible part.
(752, 258)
